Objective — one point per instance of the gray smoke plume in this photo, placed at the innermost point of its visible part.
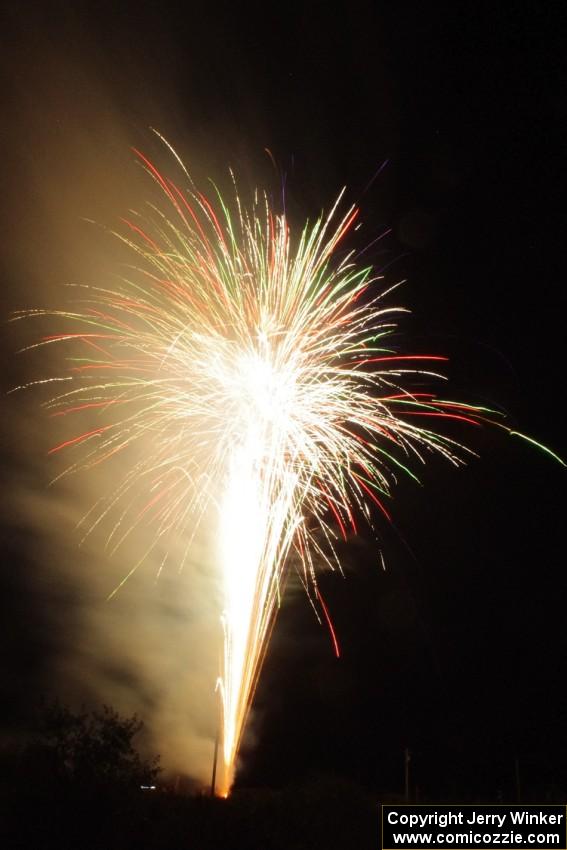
(154, 648)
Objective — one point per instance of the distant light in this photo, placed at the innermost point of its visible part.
(148, 787)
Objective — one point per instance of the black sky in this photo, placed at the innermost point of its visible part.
(458, 650)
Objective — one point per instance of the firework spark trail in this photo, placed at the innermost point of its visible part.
(252, 372)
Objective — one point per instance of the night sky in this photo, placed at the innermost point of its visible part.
(457, 650)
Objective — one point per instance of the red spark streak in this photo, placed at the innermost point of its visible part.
(399, 357)
(346, 227)
(141, 233)
(330, 624)
(334, 510)
(374, 498)
(78, 439)
(408, 396)
(442, 415)
(87, 405)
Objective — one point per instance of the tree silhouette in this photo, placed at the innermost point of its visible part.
(88, 749)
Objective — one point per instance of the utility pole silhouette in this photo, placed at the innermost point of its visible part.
(517, 777)
(215, 758)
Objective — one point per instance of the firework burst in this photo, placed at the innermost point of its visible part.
(253, 371)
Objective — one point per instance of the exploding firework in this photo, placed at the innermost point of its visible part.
(252, 370)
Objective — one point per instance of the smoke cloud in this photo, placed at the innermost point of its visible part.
(154, 648)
